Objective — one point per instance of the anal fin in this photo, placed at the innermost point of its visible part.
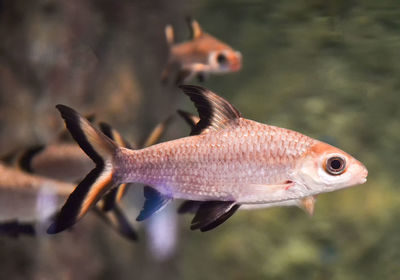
(212, 214)
(14, 228)
(189, 206)
(118, 221)
(155, 201)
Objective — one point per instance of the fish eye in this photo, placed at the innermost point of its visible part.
(335, 165)
(221, 59)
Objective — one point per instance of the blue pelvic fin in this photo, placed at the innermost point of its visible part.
(155, 201)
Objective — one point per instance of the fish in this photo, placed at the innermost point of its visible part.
(62, 161)
(202, 54)
(28, 201)
(227, 161)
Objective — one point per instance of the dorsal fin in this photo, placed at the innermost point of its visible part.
(214, 111)
(157, 132)
(195, 29)
(25, 160)
(189, 206)
(169, 34)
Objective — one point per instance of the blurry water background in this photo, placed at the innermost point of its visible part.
(329, 69)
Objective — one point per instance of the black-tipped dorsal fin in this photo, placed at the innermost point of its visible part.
(155, 202)
(189, 206)
(117, 220)
(25, 160)
(213, 213)
(195, 29)
(214, 111)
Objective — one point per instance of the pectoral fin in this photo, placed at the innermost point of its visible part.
(213, 213)
(155, 201)
(307, 204)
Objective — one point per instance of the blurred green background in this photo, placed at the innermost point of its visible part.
(327, 68)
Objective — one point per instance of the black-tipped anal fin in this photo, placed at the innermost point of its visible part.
(14, 228)
(117, 220)
(189, 207)
(155, 201)
(212, 214)
(214, 111)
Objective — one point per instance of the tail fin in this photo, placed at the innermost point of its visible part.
(169, 34)
(101, 150)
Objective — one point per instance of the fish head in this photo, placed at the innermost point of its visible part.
(325, 168)
(225, 60)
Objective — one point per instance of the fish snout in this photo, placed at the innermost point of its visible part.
(235, 61)
(362, 173)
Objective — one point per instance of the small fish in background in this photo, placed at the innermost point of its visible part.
(29, 202)
(61, 159)
(229, 161)
(203, 54)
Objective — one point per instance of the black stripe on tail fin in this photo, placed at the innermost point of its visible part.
(101, 150)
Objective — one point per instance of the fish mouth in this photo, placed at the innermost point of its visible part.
(363, 180)
(236, 66)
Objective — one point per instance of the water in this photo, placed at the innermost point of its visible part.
(329, 69)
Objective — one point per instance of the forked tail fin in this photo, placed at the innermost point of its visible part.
(101, 150)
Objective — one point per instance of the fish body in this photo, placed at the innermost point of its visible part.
(247, 162)
(201, 55)
(228, 161)
(60, 161)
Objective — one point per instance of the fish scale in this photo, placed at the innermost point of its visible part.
(222, 163)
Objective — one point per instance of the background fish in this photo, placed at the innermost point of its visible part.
(201, 55)
(229, 161)
(29, 202)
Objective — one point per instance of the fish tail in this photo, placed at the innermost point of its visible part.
(99, 181)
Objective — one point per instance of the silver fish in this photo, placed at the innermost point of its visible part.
(228, 161)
